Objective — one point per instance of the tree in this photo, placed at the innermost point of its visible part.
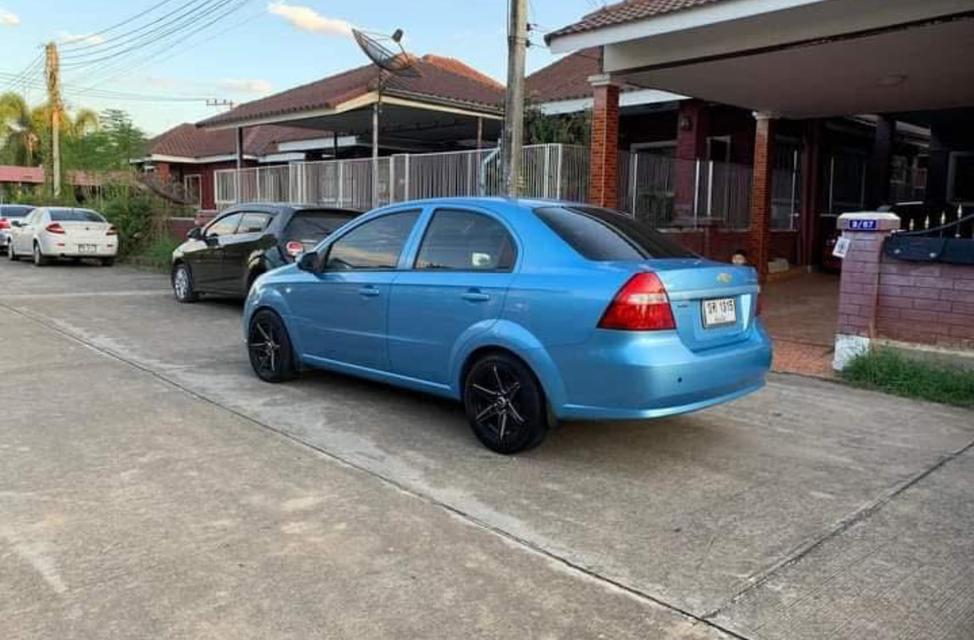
(19, 136)
(110, 146)
(569, 128)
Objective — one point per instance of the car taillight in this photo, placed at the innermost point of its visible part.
(294, 248)
(641, 305)
(112, 231)
(4, 224)
(54, 227)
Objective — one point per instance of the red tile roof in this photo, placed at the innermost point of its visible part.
(188, 141)
(626, 11)
(440, 80)
(564, 79)
(13, 173)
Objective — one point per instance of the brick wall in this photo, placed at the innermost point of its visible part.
(927, 303)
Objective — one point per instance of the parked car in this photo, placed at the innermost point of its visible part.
(526, 311)
(227, 255)
(51, 233)
(8, 213)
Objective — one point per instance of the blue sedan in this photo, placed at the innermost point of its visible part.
(526, 311)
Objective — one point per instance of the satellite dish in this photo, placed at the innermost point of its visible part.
(397, 63)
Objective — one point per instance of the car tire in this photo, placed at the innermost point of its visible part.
(505, 404)
(269, 348)
(39, 259)
(107, 262)
(182, 284)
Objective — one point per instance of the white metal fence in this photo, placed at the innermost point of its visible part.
(548, 171)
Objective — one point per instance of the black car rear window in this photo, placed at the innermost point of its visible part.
(75, 215)
(10, 211)
(603, 235)
(311, 225)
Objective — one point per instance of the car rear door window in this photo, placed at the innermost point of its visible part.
(254, 222)
(226, 226)
(310, 226)
(377, 244)
(604, 235)
(458, 240)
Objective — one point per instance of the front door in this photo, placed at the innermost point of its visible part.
(206, 258)
(341, 310)
(456, 288)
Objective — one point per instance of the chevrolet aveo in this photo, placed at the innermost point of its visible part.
(527, 312)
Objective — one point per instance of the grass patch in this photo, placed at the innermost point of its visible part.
(157, 254)
(890, 371)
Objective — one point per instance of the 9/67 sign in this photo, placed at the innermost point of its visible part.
(863, 224)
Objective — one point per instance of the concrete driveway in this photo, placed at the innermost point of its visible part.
(151, 486)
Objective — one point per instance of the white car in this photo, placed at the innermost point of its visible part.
(49, 233)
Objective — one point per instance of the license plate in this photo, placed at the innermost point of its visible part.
(719, 311)
(87, 248)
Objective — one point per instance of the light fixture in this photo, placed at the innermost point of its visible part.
(892, 80)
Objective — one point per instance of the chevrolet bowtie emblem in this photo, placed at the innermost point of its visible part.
(724, 278)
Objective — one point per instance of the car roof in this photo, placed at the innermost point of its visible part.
(525, 203)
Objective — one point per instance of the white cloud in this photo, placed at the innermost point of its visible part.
(9, 19)
(66, 37)
(243, 85)
(307, 19)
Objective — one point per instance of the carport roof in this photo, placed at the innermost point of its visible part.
(440, 82)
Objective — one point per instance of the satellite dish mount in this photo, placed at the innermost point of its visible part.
(392, 61)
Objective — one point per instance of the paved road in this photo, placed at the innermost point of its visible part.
(163, 491)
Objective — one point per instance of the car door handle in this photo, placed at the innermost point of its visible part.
(475, 295)
(369, 291)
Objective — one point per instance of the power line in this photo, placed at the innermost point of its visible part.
(123, 22)
(150, 38)
(115, 95)
(31, 68)
(156, 56)
(90, 41)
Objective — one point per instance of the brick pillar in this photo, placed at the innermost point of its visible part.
(604, 160)
(691, 145)
(859, 285)
(759, 232)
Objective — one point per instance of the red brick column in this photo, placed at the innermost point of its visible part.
(859, 285)
(759, 232)
(604, 159)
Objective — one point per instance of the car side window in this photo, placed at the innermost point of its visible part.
(375, 245)
(458, 240)
(254, 222)
(226, 226)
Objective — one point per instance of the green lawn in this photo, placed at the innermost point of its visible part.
(890, 371)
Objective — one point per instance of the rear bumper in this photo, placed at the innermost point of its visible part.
(52, 248)
(623, 376)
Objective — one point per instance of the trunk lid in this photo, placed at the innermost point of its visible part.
(692, 282)
(78, 231)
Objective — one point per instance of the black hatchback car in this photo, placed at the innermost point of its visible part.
(227, 255)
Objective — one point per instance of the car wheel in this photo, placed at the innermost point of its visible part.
(269, 348)
(182, 284)
(107, 262)
(39, 259)
(505, 404)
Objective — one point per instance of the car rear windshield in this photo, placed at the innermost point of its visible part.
(603, 235)
(14, 212)
(75, 215)
(312, 225)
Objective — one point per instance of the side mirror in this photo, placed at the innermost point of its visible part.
(195, 233)
(308, 261)
(16, 223)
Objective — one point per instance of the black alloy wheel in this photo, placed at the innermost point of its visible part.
(269, 348)
(505, 404)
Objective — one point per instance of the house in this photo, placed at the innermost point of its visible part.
(796, 111)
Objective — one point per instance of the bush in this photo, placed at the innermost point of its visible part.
(158, 253)
(132, 214)
(890, 371)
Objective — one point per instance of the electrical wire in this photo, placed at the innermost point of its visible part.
(72, 49)
(123, 22)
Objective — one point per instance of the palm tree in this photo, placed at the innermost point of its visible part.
(85, 121)
(19, 134)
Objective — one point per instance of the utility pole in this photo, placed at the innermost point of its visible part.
(53, 75)
(517, 40)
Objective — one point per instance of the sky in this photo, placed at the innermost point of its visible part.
(251, 49)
